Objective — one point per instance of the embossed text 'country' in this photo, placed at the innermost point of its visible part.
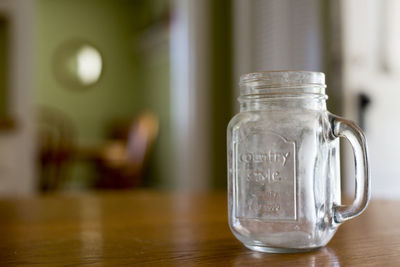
(269, 157)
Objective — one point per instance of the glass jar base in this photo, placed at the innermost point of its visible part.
(279, 250)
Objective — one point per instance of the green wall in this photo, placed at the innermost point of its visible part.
(221, 87)
(107, 26)
(130, 82)
(157, 99)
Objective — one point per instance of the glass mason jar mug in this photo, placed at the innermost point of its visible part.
(283, 164)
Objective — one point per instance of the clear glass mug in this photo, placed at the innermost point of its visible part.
(283, 164)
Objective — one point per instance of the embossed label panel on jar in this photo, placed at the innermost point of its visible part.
(266, 177)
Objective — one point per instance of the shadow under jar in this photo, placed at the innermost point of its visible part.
(284, 166)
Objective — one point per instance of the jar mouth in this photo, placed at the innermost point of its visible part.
(281, 83)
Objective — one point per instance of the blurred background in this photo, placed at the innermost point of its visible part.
(101, 94)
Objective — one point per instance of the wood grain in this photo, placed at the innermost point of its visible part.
(153, 228)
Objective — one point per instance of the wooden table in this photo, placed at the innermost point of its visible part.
(153, 228)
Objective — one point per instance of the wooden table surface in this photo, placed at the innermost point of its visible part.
(153, 228)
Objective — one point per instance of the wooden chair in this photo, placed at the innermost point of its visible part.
(55, 147)
(123, 160)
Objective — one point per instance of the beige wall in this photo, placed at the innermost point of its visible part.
(16, 145)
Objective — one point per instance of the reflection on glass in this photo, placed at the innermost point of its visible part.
(78, 65)
(89, 65)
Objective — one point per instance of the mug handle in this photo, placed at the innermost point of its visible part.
(353, 133)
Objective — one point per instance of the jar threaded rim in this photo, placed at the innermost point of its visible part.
(282, 82)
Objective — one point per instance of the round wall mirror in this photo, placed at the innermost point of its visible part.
(78, 64)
